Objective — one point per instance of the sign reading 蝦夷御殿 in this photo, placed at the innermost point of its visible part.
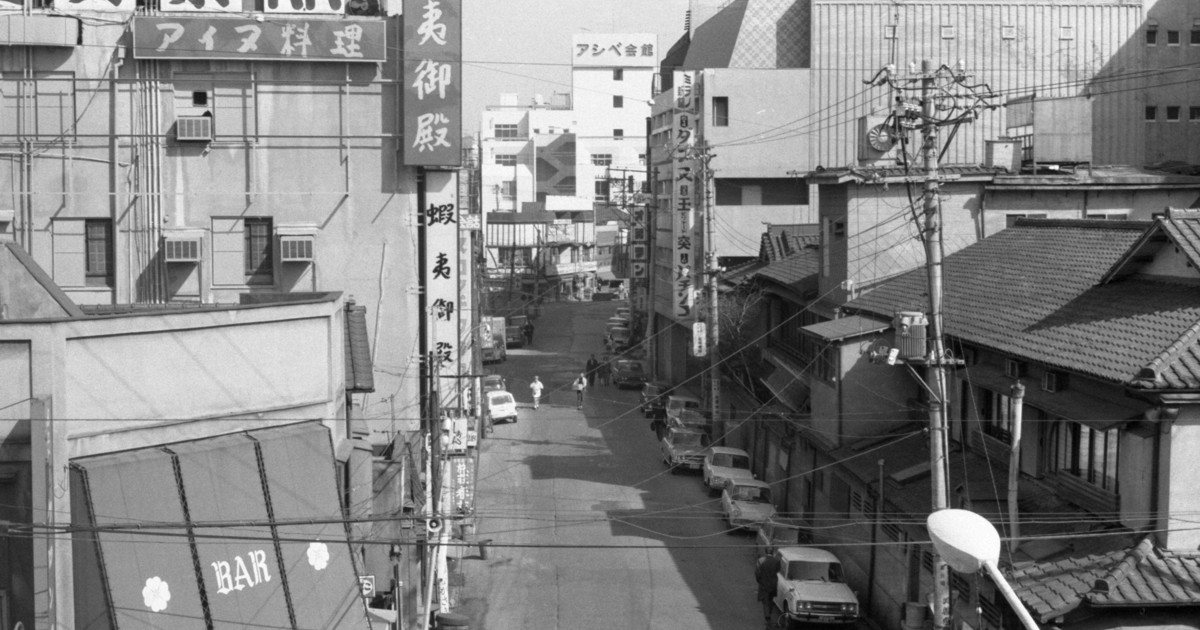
(441, 277)
(432, 82)
(212, 37)
(615, 49)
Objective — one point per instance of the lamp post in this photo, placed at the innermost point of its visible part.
(968, 542)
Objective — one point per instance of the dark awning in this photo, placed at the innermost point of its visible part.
(846, 327)
(243, 575)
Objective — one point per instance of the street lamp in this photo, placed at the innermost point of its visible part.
(968, 542)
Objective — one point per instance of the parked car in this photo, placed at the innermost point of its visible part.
(676, 403)
(683, 449)
(501, 407)
(723, 463)
(622, 311)
(615, 322)
(621, 337)
(654, 399)
(811, 587)
(691, 420)
(777, 532)
(628, 373)
(494, 383)
(746, 503)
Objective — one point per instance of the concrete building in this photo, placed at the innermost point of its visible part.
(90, 402)
(156, 173)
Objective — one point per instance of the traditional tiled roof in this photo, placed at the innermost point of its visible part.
(781, 241)
(1030, 291)
(892, 174)
(797, 272)
(360, 372)
(1134, 577)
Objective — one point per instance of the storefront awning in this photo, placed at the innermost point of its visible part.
(188, 574)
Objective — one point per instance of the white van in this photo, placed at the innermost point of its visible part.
(501, 407)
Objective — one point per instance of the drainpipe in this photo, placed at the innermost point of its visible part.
(874, 539)
(1014, 466)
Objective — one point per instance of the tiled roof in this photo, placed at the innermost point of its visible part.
(796, 272)
(1133, 577)
(1030, 291)
(883, 174)
(360, 372)
(781, 241)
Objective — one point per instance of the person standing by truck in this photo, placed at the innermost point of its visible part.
(529, 333)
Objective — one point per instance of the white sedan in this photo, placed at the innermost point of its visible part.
(723, 463)
(746, 503)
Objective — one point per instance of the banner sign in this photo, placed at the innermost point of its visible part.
(441, 278)
(462, 484)
(699, 339)
(683, 191)
(93, 5)
(202, 6)
(432, 82)
(246, 39)
(621, 50)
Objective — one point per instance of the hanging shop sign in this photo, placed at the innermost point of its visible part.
(432, 82)
(441, 276)
(247, 39)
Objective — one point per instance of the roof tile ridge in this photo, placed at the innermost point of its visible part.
(1121, 570)
(1152, 373)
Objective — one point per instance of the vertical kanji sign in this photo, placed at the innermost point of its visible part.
(684, 180)
(432, 82)
(441, 276)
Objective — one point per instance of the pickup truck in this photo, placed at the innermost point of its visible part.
(810, 587)
(491, 339)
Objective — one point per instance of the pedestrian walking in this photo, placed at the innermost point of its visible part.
(765, 574)
(605, 371)
(579, 385)
(535, 388)
(590, 368)
(529, 333)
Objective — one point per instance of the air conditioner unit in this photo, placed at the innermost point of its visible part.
(296, 249)
(1053, 381)
(193, 129)
(1014, 368)
(181, 250)
(911, 334)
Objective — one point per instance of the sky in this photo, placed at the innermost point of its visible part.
(524, 46)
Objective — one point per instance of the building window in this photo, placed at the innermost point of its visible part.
(618, 74)
(642, 159)
(720, 107)
(1195, 41)
(506, 159)
(1066, 32)
(1086, 453)
(948, 31)
(618, 101)
(601, 159)
(995, 414)
(98, 246)
(1152, 35)
(507, 131)
(1151, 113)
(839, 230)
(889, 31)
(601, 190)
(1172, 38)
(1172, 113)
(1194, 113)
(259, 259)
(1008, 32)
(508, 188)
(618, 133)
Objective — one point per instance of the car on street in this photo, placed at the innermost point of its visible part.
(615, 322)
(811, 587)
(621, 337)
(723, 463)
(628, 373)
(494, 383)
(746, 503)
(683, 449)
(501, 407)
(779, 532)
(691, 420)
(676, 403)
(622, 311)
(654, 399)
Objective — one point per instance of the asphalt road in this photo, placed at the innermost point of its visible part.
(562, 490)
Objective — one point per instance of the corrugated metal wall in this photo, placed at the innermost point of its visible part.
(1037, 53)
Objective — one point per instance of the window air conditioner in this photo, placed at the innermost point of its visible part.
(296, 249)
(181, 250)
(193, 129)
(1054, 381)
(1014, 368)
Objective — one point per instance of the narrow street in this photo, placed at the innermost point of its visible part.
(560, 488)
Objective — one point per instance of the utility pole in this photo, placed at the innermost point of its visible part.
(936, 370)
(713, 270)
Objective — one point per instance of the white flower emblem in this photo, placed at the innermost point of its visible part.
(156, 594)
(318, 555)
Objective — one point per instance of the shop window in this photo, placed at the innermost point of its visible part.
(720, 107)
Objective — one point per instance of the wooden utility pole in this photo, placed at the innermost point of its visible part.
(713, 271)
(935, 374)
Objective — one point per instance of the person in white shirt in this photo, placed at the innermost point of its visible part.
(536, 388)
(579, 385)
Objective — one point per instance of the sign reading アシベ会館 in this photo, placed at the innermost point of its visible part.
(432, 82)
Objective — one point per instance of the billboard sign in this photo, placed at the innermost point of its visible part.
(241, 38)
(432, 82)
